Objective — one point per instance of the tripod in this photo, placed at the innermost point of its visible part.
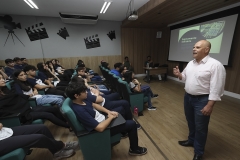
(12, 32)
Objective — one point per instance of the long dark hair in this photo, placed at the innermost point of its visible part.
(128, 76)
(24, 85)
(41, 69)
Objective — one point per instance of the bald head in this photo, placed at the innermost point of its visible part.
(205, 43)
(201, 49)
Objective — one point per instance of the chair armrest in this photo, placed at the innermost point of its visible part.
(11, 120)
(32, 101)
(41, 91)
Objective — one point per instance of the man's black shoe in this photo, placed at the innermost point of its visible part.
(197, 157)
(185, 143)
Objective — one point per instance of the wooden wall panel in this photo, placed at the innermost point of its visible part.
(70, 62)
(141, 42)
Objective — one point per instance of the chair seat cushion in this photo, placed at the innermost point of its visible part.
(17, 154)
(38, 121)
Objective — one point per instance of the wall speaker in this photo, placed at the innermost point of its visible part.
(159, 34)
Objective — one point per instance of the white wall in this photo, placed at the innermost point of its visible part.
(56, 46)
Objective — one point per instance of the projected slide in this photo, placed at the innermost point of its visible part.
(212, 32)
(219, 32)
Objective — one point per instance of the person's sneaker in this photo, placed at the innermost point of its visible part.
(152, 108)
(155, 96)
(138, 126)
(63, 154)
(124, 135)
(138, 152)
(71, 145)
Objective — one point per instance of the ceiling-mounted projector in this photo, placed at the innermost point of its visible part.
(133, 16)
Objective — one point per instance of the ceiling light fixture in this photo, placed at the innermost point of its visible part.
(31, 4)
(28, 3)
(105, 7)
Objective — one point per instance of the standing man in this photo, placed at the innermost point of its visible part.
(204, 85)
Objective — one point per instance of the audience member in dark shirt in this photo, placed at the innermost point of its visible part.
(9, 69)
(89, 115)
(18, 63)
(43, 83)
(24, 62)
(118, 67)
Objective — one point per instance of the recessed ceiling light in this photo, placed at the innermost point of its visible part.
(31, 4)
(105, 7)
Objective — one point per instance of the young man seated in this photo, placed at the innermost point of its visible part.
(37, 82)
(90, 117)
(18, 63)
(118, 67)
(9, 69)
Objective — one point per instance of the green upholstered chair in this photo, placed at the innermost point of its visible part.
(20, 153)
(31, 101)
(135, 99)
(94, 145)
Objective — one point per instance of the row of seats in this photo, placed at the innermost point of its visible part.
(94, 145)
(117, 84)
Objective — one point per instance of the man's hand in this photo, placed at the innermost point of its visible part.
(207, 110)
(35, 92)
(112, 116)
(176, 71)
(1, 126)
(50, 85)
(113, 113)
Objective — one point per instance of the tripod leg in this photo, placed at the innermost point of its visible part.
(18, 39)
(6, 39)
(12, 39)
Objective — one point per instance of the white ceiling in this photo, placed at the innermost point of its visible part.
(51, 8)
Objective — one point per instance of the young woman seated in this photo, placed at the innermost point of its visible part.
(13, 103)
(135, 86)
(22, 86)
(46, 72)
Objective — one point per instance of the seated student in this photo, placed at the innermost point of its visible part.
(107, 101)
(22, 86)
(12, 103)
(58, 67)
(127, 64)
(33, 136)
(2, 71)
(45, 72)
(24, 62)
(96, 92)
(105, 65)
(118, 67)
(88, 114)
(9, 69)
(149, 62)
(38, 83)
(135, 86)
(18, 63)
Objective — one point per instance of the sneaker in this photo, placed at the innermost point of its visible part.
(155, 96)
(138, 126)
(71, 145)
(138, 152)
(152, 108)
(63, 154)
(124, 135)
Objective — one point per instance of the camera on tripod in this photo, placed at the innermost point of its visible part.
(8, 24)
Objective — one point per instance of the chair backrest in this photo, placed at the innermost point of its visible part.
(71, 117)
(117, 85)
(8, 84)
(125, 90)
